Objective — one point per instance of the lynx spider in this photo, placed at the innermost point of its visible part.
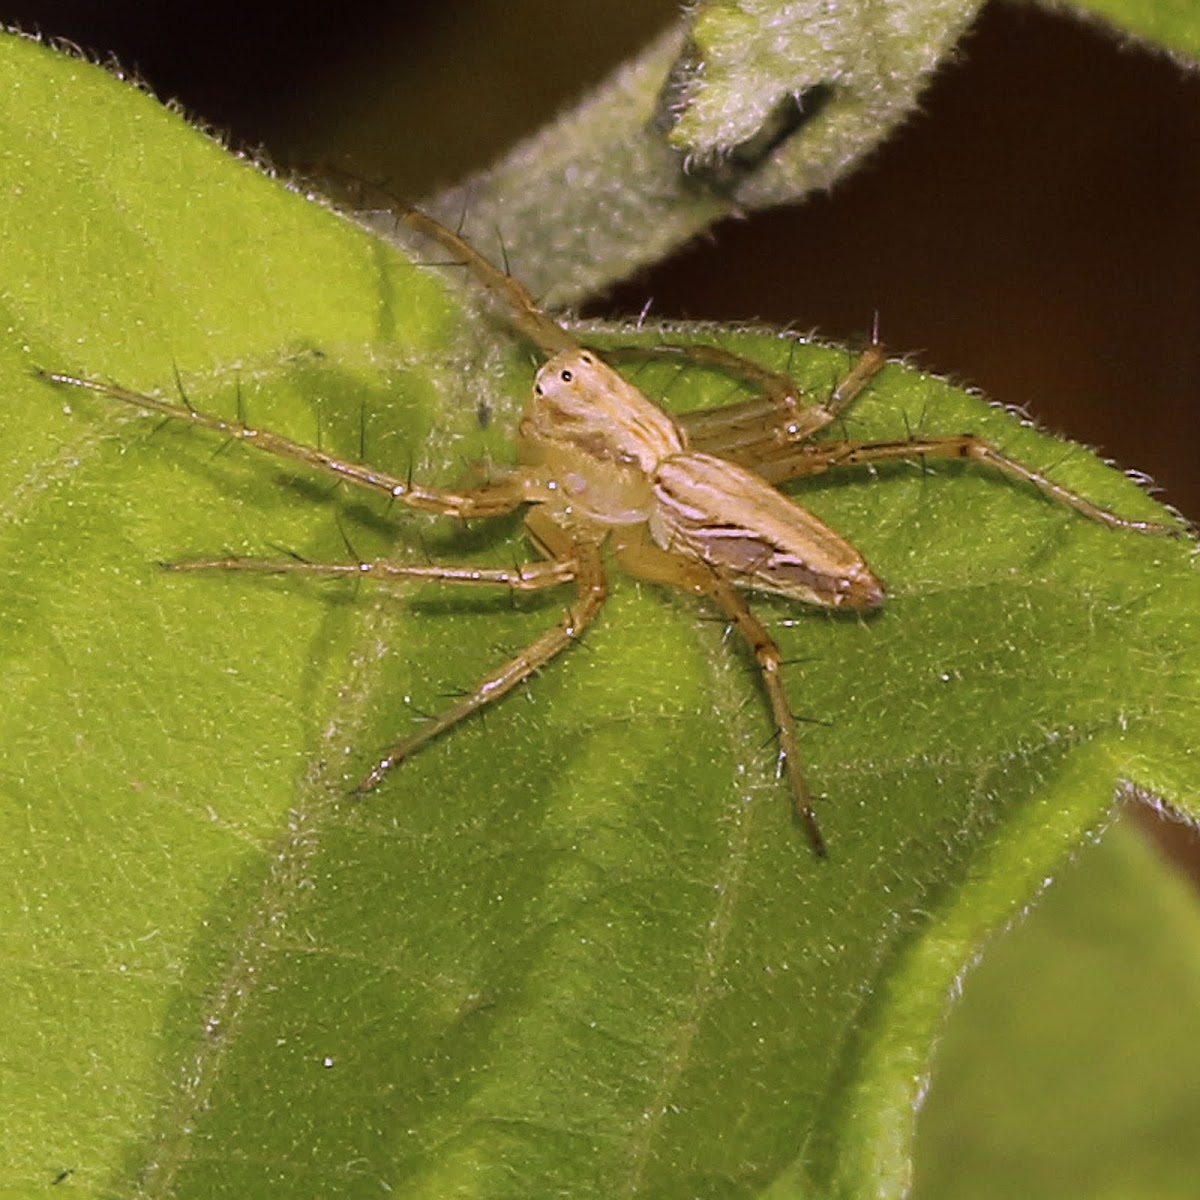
(688, 502)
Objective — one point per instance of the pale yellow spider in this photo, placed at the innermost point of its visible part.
(688, 502)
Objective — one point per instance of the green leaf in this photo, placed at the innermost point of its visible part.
(1172, 25)
(579, 947)
(1070, 1067)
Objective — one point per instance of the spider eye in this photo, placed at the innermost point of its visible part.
(566, 376)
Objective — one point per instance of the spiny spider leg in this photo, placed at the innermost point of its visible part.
(568, 560)
(815, 458)
(524, 314)
(527, 577)
(777, 416)
(646, 561)
(523, 311)
(583, 560)
(761, 434)
(493, 499)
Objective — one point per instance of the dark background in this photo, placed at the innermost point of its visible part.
(1032, 231)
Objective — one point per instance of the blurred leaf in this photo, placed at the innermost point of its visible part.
(1070, 1067)
(576, 948)
(1172, 25)
(749, 56)
(745, 104)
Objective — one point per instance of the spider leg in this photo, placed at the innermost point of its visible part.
(492, 499)
(777, 417)
(647, 561)
(578, 561)
(523, 312)
(357, 197)
(815, 458)
(526, 577)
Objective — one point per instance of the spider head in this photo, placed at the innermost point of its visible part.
(581, 402)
